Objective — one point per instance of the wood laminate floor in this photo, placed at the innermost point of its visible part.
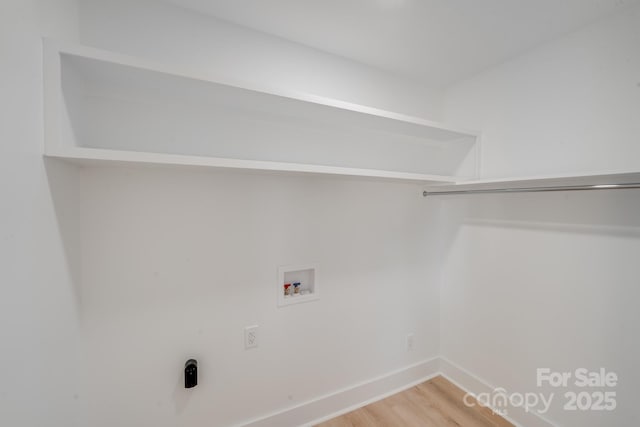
(434, 403)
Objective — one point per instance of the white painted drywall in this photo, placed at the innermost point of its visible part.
(108, 288)
(438, 42)
(167, 33)
(550, 280)
(545, 281)
(177, 262)
(39, 357)
(569, 106)
(161, 281)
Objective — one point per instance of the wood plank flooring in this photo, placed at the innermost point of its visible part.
(434, 403)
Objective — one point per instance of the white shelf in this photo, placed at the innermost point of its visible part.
(603, 179)
(93, 156)
(102, 106)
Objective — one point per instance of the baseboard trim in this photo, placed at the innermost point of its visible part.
(347, 399)
(350, 398)
(476, 385)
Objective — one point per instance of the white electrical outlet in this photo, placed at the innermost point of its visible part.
(410, 342)
(251, 336)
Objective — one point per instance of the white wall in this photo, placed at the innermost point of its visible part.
(550, 280)
(569, 106)
(150, 28)
(115, 307)
(38, 299)
(175, 263)
(93, 337)
(545, 280)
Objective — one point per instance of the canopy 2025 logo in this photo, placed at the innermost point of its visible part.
(589, 391)
(588, 399)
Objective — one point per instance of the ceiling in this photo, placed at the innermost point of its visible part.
(436, 42)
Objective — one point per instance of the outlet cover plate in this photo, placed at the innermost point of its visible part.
(410, 342)
(251, 336)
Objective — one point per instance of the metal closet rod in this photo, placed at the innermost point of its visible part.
(536, 189)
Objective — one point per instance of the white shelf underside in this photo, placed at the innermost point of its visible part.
(93, 156)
